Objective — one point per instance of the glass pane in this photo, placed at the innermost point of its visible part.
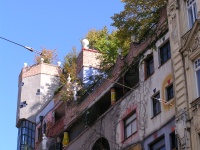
(29, 141)
(158, 145)
(24, 123)
(24, 131)
(190, 15)
(29, 133)
(134, 126)
(195, 11)
(29, 125)
(129, 119)
(163, 148)
(32, 143)
(128, 131)
(198, 81)
(33, 127)
(33, 134)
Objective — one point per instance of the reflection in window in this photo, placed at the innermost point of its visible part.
(192, 12)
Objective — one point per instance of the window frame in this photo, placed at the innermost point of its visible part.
(156, 102)
(168, 93)
(173, 142)
(197, 77)
(149, 66)
(158, 143)
(130, 123)
(164, 51)
(192, 15)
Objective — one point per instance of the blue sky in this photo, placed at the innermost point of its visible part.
(41, 24)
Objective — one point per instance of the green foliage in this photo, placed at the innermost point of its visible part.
(107, 44)
(137, 18)
(69, 67)
(69, 71)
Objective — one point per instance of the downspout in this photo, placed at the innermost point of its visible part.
(188, 118)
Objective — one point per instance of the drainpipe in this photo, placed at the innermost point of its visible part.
(188, 119)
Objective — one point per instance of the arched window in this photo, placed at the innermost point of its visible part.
(101, 144)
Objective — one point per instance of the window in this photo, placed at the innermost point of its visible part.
(192, 12)
(23, 104)
(170, 92)
(197, 74)
(165, 53)
(149, 66)
(26, 135)
(173, 141)
(158, 144)
(130, 125)
(38, 92)
(156, 104)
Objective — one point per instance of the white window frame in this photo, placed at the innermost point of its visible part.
(197, 68)
(191, 5)
(131, 123)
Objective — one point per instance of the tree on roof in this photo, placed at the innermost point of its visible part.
(49, 56)
(137, 18)
(107, 44)
(69, 66)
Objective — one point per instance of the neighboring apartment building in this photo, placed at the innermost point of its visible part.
(36, 87)
(184, 28)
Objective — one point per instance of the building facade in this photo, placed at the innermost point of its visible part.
(184, 36)
(149, 102)
(35, 88)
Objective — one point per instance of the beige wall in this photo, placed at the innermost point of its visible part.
(183, 68)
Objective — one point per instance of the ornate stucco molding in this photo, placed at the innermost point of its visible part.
(195, 112)
(198, 15)
(181, 128)
(171, 12)
(196, 43)
(191, 42)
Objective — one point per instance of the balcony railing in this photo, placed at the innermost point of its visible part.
(55, 129)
